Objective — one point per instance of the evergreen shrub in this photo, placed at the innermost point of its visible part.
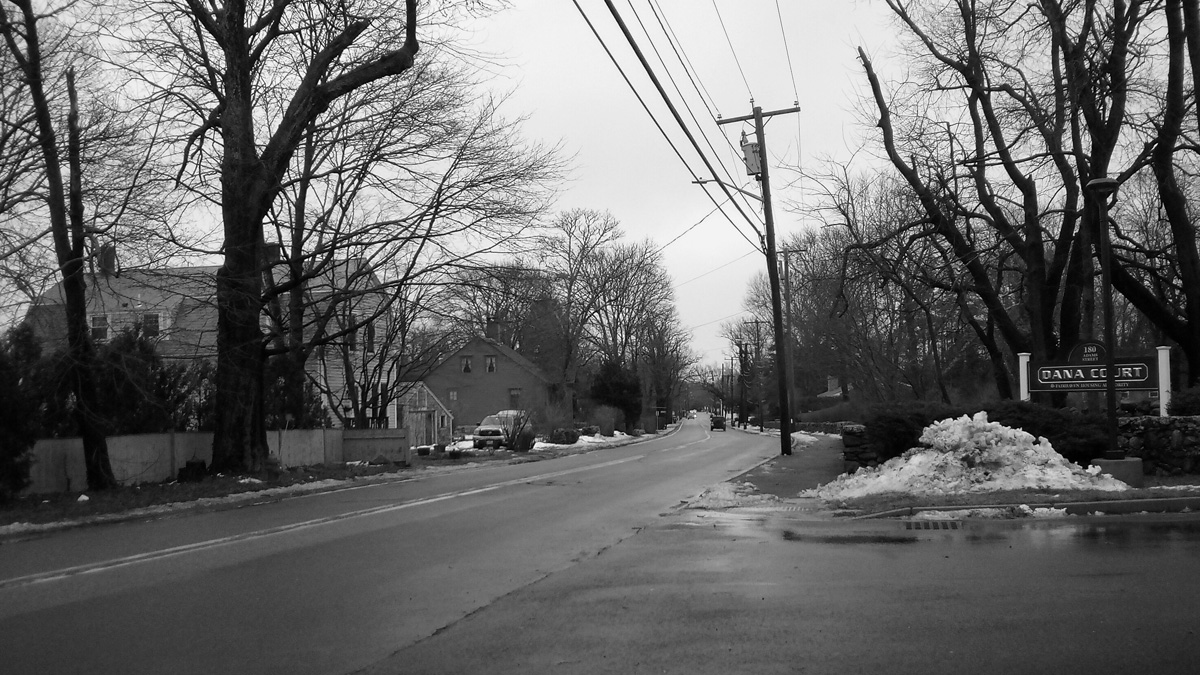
(564, 436)
(1080, 437)
(1186, 402)
(895, 427)
(524, 440)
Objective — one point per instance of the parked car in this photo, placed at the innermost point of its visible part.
(490, 433)
(716, 422)
(499, 429)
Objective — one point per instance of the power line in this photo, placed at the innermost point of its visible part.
(674, 112)
(629, 83)
(714, 269)
(683, 99)
(654, 119)
(697, 224)
(702, 325)
(680, 53)
(697, 84)
(732, 51)
(788, 53)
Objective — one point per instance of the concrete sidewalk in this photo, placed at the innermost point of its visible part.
(810, 464)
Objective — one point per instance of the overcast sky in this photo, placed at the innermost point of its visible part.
(563, 80)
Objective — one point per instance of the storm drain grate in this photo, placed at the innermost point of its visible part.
(932, 525)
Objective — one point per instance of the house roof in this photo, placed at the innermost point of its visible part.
(168, 287)
(503, 349)
(413, 391)
(517, 358)
(165, 287)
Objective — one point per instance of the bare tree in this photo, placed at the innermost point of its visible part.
(573, 263)
(1011, 111)
(239, 72)
(20, 27)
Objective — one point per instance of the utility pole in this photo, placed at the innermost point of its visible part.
(787, 307)
(759, 169)
(741, 347)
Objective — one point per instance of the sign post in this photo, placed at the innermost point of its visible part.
(1090, 367)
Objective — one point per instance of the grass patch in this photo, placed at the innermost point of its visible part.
(50, 508)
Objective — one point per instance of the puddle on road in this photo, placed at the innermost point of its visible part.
(1155, 531)
(849, 538)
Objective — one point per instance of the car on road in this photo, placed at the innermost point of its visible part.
(716, 422)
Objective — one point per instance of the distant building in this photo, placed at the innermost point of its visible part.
(428, 420)
(176, 309)
(486, 376)
(832, 388)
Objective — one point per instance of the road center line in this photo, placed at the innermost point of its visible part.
(90, 568)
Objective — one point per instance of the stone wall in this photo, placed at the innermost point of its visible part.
(820, 427)
(1166, 445)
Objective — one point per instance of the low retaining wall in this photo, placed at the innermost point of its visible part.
(152, 458)
(143, 458)
(1166, 445)
(821, 427)
(370, 445)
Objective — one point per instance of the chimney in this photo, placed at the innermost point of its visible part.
(108, 260)
(831, 383)
(491, 330)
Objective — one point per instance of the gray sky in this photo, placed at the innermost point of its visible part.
(571, 91)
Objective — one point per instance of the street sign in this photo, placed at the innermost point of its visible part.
(1085, 371)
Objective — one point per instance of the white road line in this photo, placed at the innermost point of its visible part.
(90, 568)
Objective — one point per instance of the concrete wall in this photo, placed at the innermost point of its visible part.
(152, 458)
(144, 458)
(370, 444)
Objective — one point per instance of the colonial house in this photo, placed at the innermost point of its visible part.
(176, 309)
(486, 376)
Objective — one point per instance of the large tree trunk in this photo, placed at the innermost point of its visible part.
(240, 437)
(250, 179)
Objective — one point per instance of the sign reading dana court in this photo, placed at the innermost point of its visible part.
(1086, 371)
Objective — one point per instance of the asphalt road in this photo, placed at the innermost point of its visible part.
(337, 582)
(755, 592)
(586, 565)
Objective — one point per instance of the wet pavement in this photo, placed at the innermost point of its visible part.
(786, 587)
(750, 591)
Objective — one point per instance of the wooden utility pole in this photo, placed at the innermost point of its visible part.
(787, 317)
(781, 360)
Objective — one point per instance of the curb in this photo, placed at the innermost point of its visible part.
(1109, 508)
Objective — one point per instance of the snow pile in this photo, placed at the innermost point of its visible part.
(970, 454)
(730, 495)
(596, 441)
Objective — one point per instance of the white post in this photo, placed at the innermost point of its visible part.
(1164, 380)
(1023, 371)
